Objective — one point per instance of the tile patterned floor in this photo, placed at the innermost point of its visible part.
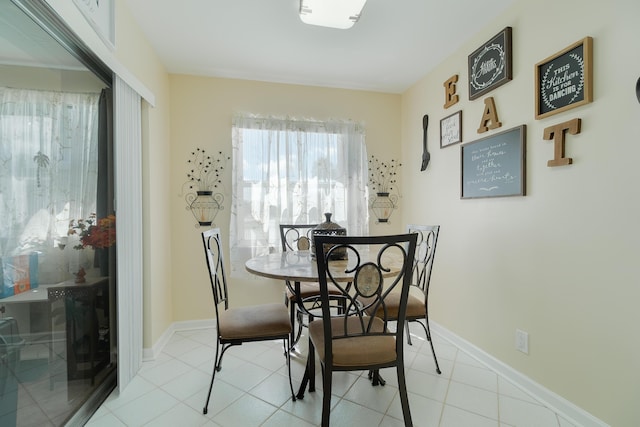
(252, 390)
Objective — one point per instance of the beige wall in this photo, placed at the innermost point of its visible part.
(560, 263)
(201, 113)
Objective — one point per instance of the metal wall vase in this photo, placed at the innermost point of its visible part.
(204, 206)
(383, 205)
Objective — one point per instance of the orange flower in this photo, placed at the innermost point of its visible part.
(98, 234)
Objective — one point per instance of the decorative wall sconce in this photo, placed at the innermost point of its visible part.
(204, 205)
(203, 189)
(383, 205)
(382, 179)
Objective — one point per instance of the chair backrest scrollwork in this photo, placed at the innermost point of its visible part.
(425, 254)
(215, 263)
(296, 237)
(382, 266)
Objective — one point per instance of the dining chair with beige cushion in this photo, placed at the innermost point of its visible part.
(297, 237)
(418, 303)
(239, 325)
(350, 339)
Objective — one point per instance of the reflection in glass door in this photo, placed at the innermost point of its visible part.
(57, 229)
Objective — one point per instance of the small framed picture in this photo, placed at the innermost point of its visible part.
(451, 129)
(490, 64)
(563, 80)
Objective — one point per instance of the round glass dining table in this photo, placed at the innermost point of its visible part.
(295, 266)
(300, 266)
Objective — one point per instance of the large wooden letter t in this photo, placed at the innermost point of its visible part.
(556, 133)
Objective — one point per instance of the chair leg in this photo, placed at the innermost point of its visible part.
(287, 355)
(376, 379)
(213, 376)
(326, 395)
(404, 398)
(427, 331)
(224, 349)
(433, 351)
(295, 315)
(292, 318)
(312, 364)
(309, 373)
(408, 335)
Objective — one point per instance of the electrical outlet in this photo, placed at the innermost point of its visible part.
(522, 341)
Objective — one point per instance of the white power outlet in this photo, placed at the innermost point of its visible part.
(522, 341)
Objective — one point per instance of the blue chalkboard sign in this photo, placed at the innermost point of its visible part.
(494, 166)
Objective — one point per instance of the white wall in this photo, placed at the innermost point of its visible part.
(561, 262)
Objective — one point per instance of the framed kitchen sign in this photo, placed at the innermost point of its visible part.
(100, 15)
(490, 64)
(451, 129)
(494, 166)
(563, 81)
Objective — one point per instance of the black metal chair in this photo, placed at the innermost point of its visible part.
(418, 303)
(350, 339)
(418, 308)
(297, 237)
(235, 326)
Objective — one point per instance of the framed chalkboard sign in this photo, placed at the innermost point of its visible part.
(563, 81)
(494, 166)
(490, 64)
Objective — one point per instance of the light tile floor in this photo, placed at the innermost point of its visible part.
(252, 390)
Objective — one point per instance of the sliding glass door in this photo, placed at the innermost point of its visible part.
(57, 228)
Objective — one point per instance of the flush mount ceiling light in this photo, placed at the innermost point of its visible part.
(340, 14)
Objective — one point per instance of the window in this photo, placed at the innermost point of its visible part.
(293, 171)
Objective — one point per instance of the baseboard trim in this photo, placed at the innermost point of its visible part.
(557, 403)
(149, 354)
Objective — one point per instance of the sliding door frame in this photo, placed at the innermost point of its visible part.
(128, 202)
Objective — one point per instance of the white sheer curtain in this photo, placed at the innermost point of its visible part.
(48, 166)
(293, 171)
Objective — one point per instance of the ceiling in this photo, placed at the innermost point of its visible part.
(393, 45)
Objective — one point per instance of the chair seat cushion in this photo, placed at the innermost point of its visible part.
(415, 307)
(311, 289)
(354, 351)
(245, 323)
